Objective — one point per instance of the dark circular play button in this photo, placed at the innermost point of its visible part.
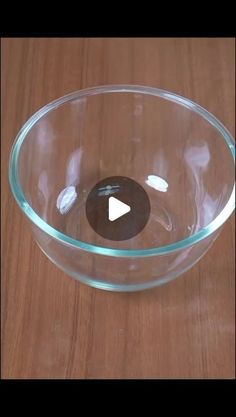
(117, 208)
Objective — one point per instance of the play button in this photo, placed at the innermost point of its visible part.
(117, 208)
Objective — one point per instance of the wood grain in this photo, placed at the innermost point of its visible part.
(55, 327)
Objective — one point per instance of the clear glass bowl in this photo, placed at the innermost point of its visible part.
(177, 151)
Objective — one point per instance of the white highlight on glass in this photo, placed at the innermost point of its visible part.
(109, 189)
(66, 199)
(157, 183)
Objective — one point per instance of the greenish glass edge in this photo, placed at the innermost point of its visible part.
(104, 285)
(164, 250)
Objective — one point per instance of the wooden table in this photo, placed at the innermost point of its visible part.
(55, 327)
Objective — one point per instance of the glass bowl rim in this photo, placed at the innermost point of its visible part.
(102, 250)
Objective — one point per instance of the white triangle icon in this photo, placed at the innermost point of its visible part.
(116, 209)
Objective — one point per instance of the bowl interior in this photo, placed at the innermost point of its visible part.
(179, 158)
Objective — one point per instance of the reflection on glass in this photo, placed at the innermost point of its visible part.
(109, 189)
(73, 167)
(44, 192)
(157, 183)
(198, 158)
(66, 199)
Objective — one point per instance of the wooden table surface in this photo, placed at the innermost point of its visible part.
(55, 327)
